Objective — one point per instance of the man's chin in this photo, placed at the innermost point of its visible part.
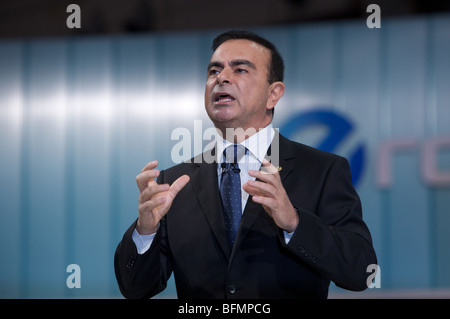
(222, 116)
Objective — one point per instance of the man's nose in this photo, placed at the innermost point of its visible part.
(224, 77)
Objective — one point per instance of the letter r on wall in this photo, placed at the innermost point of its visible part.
(430, 170)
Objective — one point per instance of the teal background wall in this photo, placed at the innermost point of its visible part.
(80, 117)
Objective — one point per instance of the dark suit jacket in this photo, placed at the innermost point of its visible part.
(331, 242)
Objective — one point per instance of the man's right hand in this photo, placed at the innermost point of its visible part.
(155, 199)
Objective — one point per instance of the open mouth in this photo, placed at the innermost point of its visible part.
(223, 98)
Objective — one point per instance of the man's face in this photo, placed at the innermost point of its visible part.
(237, 89)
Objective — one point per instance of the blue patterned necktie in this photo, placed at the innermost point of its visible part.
(230, 190)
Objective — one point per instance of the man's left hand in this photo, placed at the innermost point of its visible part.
(268, 191)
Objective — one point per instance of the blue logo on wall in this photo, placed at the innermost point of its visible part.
(339, 128)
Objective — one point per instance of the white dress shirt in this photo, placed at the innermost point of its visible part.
(257, 146)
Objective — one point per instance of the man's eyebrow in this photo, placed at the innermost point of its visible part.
(215, 64)
(242, 62)
(232, 63)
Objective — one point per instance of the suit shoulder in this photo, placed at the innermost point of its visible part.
(312, 154)
(172, 173)
(189, 166)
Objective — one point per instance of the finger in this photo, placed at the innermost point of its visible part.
(253, 191)
(170, 194)
(264, 176)
(150, 165)
(268, 168)
(260, 188)
(179, 184)
(150, 205)
(145, 176)
(268, 173)
(152, 191)
(266, 201)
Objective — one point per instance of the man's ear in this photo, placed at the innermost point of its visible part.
(276, 92)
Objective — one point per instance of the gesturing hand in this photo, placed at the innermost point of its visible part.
(270, 193)
(155, 199)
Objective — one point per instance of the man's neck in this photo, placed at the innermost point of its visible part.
(238, 135)
(257, 143)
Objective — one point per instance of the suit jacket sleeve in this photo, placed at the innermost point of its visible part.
(334, 240)
(142, 276)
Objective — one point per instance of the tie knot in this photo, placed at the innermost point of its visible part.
(233, 153)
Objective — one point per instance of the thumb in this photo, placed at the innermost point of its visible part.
(172, 192)
(178, 185)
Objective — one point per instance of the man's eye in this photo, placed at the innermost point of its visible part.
(213, 72)
(241, 70)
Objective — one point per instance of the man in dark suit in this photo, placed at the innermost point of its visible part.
(294, 225)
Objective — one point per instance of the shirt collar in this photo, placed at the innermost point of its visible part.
(257, 144)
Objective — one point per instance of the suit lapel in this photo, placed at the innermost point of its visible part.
(205, 184)
(251, 212)
(286, 157)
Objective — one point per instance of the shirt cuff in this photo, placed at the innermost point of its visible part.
(287, 236)
(142, 242)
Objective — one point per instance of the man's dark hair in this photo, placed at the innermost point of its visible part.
(276, 68)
